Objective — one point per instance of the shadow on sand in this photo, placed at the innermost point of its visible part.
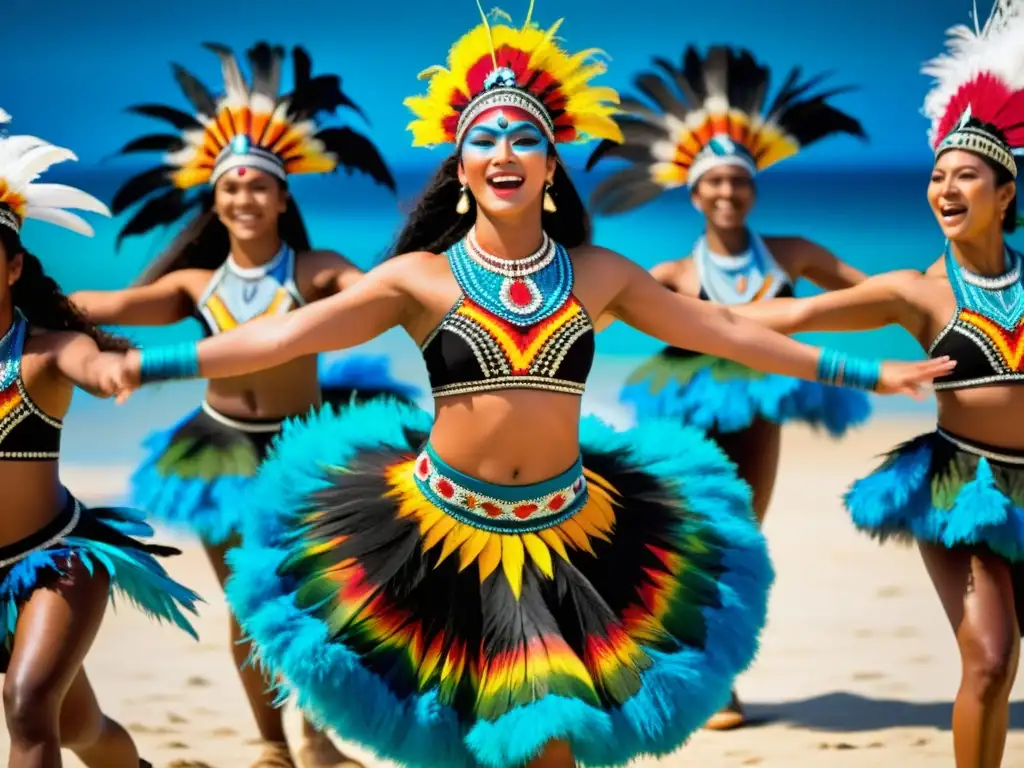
(849, 713)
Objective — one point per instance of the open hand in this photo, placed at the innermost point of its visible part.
(914, 379)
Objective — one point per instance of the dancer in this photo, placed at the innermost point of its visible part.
(706, 130)
(59, 561)
(957, 490)
(505, 583)
(245, 255)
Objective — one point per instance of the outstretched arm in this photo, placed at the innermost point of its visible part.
(717, 330)
(822, 267)
(364, 311)
(163, 302)
(875, 303)
(78, 359)
(332, 272)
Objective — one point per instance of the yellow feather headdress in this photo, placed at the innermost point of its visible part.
(496, 65)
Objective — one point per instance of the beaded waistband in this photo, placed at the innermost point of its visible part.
(1000, 455)
(51, 533)
(500, 508)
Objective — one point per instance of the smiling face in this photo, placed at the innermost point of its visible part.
(965, 197)
(248, 202)
(725, 196)
(505, 162)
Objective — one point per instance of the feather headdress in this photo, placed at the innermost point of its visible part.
(496, 65)
(22, 160)
(250, 126)
(708, 113)
(979, 86)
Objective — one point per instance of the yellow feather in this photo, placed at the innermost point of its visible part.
(490, 557)
(552, 539)
(540, 553)
(576, 534)
(428, 517)
(454, 540)
(590, 521)
(438, 532)
(513, 558)
(472, 548)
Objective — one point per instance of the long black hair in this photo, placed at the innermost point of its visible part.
(43, 303)
(435, 226)
(204, 242)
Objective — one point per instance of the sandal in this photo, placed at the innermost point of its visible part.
(728, 718)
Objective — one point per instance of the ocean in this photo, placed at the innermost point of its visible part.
(873, 219)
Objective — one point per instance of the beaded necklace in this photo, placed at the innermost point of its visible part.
(10, 351)
(999, 298)
(751, 275)
(522, 291)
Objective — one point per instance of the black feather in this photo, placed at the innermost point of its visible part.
(321, 94)
(153, 142)
(161, 210)
(658, 91)
(180, 120)
(198, 94)
(265, 62)
(625, 190)
(693, 98)
(356, 152)
(303, 66)
(139, 186)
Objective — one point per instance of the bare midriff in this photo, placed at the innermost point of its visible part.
(991, 414)
(288, 390)
(32, 496)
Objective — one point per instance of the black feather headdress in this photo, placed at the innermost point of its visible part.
(706, 113)
(250, 126)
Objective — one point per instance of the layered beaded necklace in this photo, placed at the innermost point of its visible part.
(10, 351)
(999, 298)
(739, 279)
(521, 291)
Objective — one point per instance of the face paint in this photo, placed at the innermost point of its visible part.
(488, 136)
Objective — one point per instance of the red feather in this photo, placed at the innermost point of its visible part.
(1011, 119)
(986, 95)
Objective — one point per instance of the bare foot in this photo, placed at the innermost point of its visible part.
(318, 751)
(728, 718)
(274, 754)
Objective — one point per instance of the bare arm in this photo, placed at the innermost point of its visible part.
(822, 267)
(80, 361)
(664, 273)
(364, 311)
(718, 330)
(333, 273)
(163, 302)
(875, 303)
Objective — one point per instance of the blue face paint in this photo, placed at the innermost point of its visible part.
(488, 137)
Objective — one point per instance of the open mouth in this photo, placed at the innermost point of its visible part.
(952, 214)
(506, 182)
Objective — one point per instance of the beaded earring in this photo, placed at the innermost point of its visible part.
(549, 202)
(462, 207)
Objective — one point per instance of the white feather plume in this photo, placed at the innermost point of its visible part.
(22, 160)
(5, 116)
(996, 48)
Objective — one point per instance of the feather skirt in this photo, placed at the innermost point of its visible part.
(195, 474)
(101, 537)
(946, 490)
(614, 618)
(713, 394)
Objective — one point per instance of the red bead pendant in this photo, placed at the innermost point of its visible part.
(519, 293)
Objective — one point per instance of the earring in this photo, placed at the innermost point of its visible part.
(462, 207)
(549, 202)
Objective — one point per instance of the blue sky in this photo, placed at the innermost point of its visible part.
(78, 65)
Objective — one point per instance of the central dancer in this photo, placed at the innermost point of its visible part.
(503, 584)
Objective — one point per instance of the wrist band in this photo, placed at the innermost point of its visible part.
(840, 370)
(167, 363)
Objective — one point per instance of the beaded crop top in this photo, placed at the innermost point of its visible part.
(517, 325)
(26, 433)
(237, 294)
(986, 333)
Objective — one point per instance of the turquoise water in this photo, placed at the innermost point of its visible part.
(876, 220)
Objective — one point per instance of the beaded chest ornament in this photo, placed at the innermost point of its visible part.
(522, 292)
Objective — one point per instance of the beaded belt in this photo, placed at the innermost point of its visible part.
(500, 508)
(50, 534)
(1000, 455)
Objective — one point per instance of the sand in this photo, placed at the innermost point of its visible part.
(858, 666)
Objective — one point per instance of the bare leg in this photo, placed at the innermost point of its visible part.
(97, 740)
(317, 750)
(556, 754)
(977, 594)
(755, 451)
(55, 630)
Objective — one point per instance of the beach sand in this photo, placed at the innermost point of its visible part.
(857, 668)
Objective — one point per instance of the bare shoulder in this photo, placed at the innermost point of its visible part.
(321, 258)
(48, 344)
(190, 281)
